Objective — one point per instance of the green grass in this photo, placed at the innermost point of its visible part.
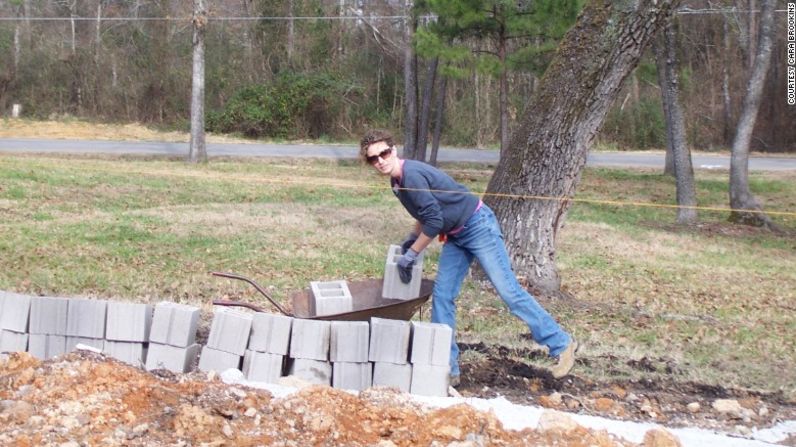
(715, 299)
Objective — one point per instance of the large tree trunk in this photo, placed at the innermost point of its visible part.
(198, 150)
(666, 58)
(746, 209)
(410, 87)
(548, 150)
(425, 109)
(439, 117)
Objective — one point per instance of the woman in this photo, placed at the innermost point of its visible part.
(444, 208)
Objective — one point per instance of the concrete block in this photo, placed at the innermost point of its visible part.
(309, 339)
(350, 341)
(230, 331)
(173, 358)
(45, 347)
(262, 366)
(72, 342)
(313, 371)
(14, 311)
(48, 315)
(86, 318)
(128, 321)
(431, 343)
(330, 297)
(11, 341)
(133, 353)
(430, 380)
(389, 340)
(270, 333)
(352, 376)
(216, 360)
(393, 287)
(392, 375)
(174, 324)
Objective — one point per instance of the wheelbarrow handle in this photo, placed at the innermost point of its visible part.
(256, 286)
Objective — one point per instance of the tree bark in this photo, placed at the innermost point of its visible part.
(72, 14)
(198, 150)
(746, 209)
(725, 86)
(439, 117)
(410, 87)
(17, 46)
(503, 101)
(98, 35)
(666, 58)
(660, 60)
(290, 30)
(548, 150)
(425, 109)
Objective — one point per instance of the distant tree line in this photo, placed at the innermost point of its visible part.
(282, 75)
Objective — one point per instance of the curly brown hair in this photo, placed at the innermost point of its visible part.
(371, 137)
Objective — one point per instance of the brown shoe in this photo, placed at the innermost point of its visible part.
(566, 360)
(454, 381)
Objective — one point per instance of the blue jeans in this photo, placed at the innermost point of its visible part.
(482, 239)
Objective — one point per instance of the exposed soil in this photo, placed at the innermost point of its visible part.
(664, 401)
(86, 399)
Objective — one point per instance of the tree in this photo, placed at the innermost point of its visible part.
(668, 79)
(410, 84)
(198, 150)
(746, 209)
(548, 149)
(499, 22)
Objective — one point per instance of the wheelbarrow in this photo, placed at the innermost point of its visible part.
(366, 297)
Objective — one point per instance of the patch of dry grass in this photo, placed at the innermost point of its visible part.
(84, 130)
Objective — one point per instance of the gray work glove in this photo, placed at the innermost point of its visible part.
(408, 242)
(405, 264)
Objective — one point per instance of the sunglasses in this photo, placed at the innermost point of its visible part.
(385, 154)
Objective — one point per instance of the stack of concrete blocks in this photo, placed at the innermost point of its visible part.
(14, 312)
(47, 326)
(349, 353)
(268, 347)
(393, 287)
(172, 336)
(309, 351)
(226, 344)
(127, 332)
(330, 298)
(389, 352)
(85, 323)
(431, 347)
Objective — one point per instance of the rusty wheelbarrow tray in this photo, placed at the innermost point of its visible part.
(367, 301)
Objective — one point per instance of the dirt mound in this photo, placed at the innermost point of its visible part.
(666, 399)
(86, 399)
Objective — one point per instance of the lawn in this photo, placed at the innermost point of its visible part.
(715, 302)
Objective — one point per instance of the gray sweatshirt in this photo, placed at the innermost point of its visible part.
(433, 198)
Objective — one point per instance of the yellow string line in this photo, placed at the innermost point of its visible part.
(232, 176)
(606, 202)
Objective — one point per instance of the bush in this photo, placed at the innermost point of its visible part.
(293, 106)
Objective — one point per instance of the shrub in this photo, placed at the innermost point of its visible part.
(293, 106)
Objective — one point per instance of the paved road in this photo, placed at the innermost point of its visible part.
(619, 159)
